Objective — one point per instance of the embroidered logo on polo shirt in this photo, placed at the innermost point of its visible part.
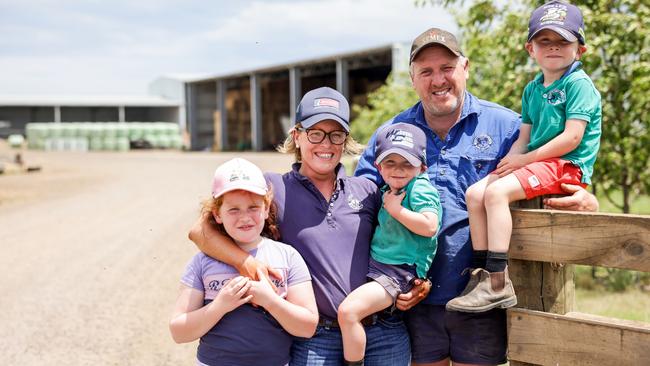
(354, 203)
(482, 142)
(555, 97)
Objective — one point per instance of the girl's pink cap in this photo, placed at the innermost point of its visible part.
(238, 174)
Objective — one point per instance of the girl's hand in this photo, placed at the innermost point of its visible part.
(261, 292)
(393, 202)
(234, 294)
(511, 163)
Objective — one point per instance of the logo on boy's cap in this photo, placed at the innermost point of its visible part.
(404, 139)
(323, 104)
(561, 17)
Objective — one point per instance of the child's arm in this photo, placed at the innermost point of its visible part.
(297, 314)
(562, 144)
(516, 154)
(425, 223)
(191, 319)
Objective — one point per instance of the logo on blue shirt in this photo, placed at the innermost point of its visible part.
(482, 142)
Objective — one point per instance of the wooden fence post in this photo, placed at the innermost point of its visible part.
(541, 286)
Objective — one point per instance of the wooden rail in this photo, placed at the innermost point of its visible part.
(544, 329)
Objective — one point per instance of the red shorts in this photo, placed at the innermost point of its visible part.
(546, 176)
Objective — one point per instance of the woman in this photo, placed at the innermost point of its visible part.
(329, 218)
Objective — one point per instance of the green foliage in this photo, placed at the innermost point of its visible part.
(384, 103)
(618, 61)
(609, 279)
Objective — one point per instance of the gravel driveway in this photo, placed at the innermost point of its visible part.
(91, 252)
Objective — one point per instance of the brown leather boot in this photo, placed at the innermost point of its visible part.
(493, 290)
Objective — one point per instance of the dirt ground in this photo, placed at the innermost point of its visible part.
(91, 251)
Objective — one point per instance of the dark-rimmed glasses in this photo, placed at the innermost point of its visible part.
(316, 136)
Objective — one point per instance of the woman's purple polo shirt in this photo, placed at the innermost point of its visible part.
(333, 237)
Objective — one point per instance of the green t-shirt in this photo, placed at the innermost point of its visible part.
(393, 243)
(573, 96)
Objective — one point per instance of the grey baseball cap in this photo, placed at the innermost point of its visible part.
(321, 104)
(404, 139)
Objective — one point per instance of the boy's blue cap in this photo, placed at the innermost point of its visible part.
(561, 17)
(321, 104)
(404, 139)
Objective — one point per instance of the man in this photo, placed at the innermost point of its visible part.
(466, 138)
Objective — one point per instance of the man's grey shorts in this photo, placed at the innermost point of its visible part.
(396, 279)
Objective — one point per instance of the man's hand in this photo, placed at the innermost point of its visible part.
(419, 291)
(510, 163)
(579, 200)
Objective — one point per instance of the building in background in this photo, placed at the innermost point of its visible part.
(247, 110)
(17, 111)
(253, 110)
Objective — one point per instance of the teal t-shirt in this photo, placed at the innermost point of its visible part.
(573, 96)
(393, 243)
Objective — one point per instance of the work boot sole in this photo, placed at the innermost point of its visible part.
(502, 304)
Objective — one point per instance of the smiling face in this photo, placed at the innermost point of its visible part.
(242, 214)
(439, 78)
(553, 53)
(319, 160)
(397, 172)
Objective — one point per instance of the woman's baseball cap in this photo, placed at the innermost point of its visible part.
(321, 104)
(561, 17)
(404, 139)
(238, 174)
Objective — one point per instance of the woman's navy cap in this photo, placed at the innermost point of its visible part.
(321, 104)
(404, 139)
(561, 17)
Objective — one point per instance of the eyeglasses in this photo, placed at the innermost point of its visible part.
(316, 136)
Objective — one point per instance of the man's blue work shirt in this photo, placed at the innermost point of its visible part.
(470, 151)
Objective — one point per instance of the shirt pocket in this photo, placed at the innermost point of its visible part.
(473, 166)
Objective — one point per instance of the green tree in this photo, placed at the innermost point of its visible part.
(383, 104)
(618, 60)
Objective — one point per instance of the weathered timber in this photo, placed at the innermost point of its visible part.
(610, 240)
(576, 339)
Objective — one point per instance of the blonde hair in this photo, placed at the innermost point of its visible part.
(270, 230)
(351, 146)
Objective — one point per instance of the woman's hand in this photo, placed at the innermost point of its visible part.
(262, 292)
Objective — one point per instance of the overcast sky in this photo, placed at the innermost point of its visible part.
(119, 47)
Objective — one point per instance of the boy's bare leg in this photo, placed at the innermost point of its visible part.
(475, 200)
(498, 196)
(365, 300)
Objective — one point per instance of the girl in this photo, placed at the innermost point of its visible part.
(214, 301)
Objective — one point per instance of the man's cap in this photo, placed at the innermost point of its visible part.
(236, 174)
(561, 17)
(321, 104)
(435, 36)
(404, 139)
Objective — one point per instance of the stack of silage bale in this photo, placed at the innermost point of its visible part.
(101, 136)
